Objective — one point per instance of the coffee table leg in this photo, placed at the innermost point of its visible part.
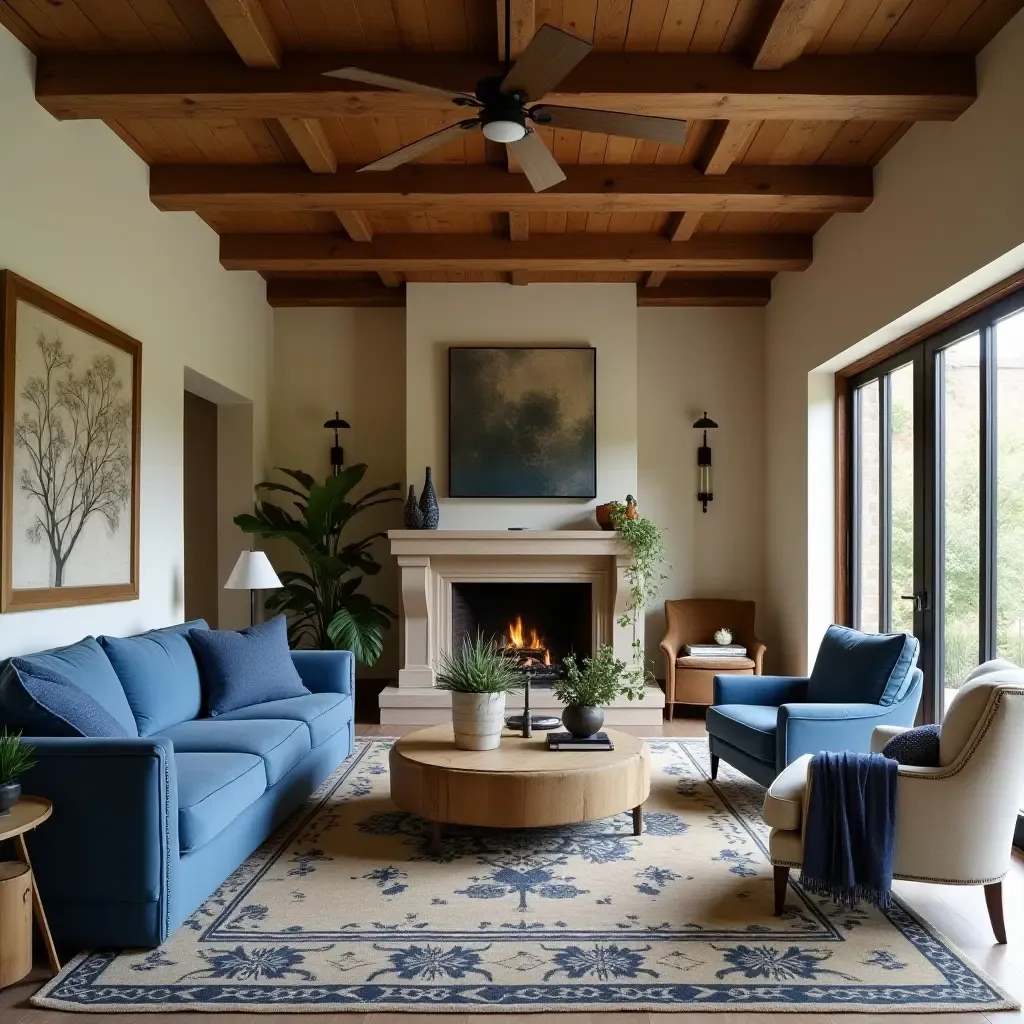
(638, 820)
(435, 838)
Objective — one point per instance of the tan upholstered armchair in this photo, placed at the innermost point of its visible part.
(954, 823)
(694, 621)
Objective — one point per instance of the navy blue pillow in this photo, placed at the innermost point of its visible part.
(861, 668)
(38, 700)
(243, 667)
(919, 747)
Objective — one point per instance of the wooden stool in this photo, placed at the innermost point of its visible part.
(15, 921)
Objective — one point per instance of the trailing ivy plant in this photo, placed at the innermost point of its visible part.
(645, 574)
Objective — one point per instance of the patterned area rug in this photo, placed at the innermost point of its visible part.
(345, 909)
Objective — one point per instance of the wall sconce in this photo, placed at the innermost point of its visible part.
(337, 452)
(704, 489)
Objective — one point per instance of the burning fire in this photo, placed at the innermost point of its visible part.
(517, 639)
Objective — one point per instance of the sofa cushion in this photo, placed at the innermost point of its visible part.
(159, 674)
(731, 664)
(86, 666)
(213, 789)
(323, 713)
(37, 700)
(750, 727)
(281, 744)
(861, 668)
(243, 667)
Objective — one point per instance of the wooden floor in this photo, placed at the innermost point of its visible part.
(958, 913)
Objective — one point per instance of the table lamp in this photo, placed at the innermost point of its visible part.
(253, 572)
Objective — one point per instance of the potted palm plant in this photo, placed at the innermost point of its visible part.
(584, 690)
(16, 757)
(479, 675)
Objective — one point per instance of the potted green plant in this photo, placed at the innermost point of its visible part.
(16, 757)
(584, 690)
(479, 675)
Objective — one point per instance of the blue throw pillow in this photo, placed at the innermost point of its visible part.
(919, 747)
(38, 700)
(861, 668)
(245, 667)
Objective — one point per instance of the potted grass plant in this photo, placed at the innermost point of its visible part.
(16, 758)
(478, 675)
(598, 682)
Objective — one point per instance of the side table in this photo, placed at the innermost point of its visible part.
(24, 816)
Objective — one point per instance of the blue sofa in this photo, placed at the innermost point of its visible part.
(145, 827)
(760, 724)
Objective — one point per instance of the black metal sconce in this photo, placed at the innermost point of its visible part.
(704, 489)
(337, 452)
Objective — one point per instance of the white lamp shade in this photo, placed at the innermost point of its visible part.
(253, 571)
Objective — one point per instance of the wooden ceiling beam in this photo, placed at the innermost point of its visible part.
(310, 139)
(518, 225)
(725, 142)
(246, 26)
(712, 252)
(483, 188)
(523, 22)
(655, 278)
(357, 226)
(298, 291)
(683, 225)
(873, 86)
(783, 30)
(722, 291)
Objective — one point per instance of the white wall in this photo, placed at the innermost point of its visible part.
(691, 360)
(601, 315)
(75, 218)
(947, 221)
(352, 361)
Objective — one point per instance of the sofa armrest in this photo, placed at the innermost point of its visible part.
(113, 835)
(884, 733)
(326, 671)
(766, 691)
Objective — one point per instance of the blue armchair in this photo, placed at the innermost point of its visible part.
(760, 724)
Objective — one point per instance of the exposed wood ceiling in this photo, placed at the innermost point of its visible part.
(789, 103)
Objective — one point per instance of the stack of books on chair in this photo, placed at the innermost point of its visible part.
(566, 741)
(715, 650)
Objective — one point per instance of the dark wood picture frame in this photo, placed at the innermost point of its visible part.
(15, 289)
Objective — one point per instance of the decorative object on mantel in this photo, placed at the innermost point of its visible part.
(428, 503)
(337, 452)
(412, 516)
(253, 572)
(602, 678)
(72, 388)
(705, 492)
(723, 636)
(325, 609)
(16, 758)
(478, 676)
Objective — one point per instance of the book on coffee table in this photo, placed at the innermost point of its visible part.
(566, 741)
(715, 650)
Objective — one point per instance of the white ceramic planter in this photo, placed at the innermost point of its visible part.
(477, 719)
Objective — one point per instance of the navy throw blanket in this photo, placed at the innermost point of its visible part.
(851, 826)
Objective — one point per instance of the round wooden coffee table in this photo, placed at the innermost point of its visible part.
(520, 785)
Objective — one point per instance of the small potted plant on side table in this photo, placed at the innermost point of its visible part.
(479, 676)
(584, 691)
(16, 757)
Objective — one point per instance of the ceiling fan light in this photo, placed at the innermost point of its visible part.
(504, 131)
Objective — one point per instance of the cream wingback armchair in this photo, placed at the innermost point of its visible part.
(954, 823)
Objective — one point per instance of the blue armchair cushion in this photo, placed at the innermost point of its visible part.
(245, 667)
(281, 744)
(213, 789)
(37, 700)
(86, 666)
(159, 674)
(919, 747)
(323, 713)
(861, 668)
(750, 727)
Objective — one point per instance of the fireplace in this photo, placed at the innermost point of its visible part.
(537, 623)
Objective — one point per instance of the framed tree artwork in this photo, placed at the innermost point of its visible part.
(72, 390)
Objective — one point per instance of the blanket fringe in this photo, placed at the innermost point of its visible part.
(846, 895)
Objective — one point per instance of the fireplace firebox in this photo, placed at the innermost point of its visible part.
(538, 623)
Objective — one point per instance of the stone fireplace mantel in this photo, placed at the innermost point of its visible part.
(430, 561)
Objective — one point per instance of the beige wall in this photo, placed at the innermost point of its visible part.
(352, 361)
(946, 222)
(75, 217)
(601, 315)
(690, 360)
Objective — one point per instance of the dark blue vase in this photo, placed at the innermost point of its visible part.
(412, 516)
(428, 504)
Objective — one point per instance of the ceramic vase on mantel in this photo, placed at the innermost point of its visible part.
(411, 514)
(428, 504)
(477, 720)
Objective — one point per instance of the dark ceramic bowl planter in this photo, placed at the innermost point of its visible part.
(581, 720)
(9, 795)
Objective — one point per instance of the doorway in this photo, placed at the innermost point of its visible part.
(202, 589)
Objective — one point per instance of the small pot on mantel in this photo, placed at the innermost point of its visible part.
(10, 793)
(477, 720)
(582, 720)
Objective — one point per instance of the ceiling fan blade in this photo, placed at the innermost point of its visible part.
(420, 146)
(402, 85)
(548, 58)
(613, 122)
(539, 166)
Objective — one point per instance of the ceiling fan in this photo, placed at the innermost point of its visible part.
(504, 115)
